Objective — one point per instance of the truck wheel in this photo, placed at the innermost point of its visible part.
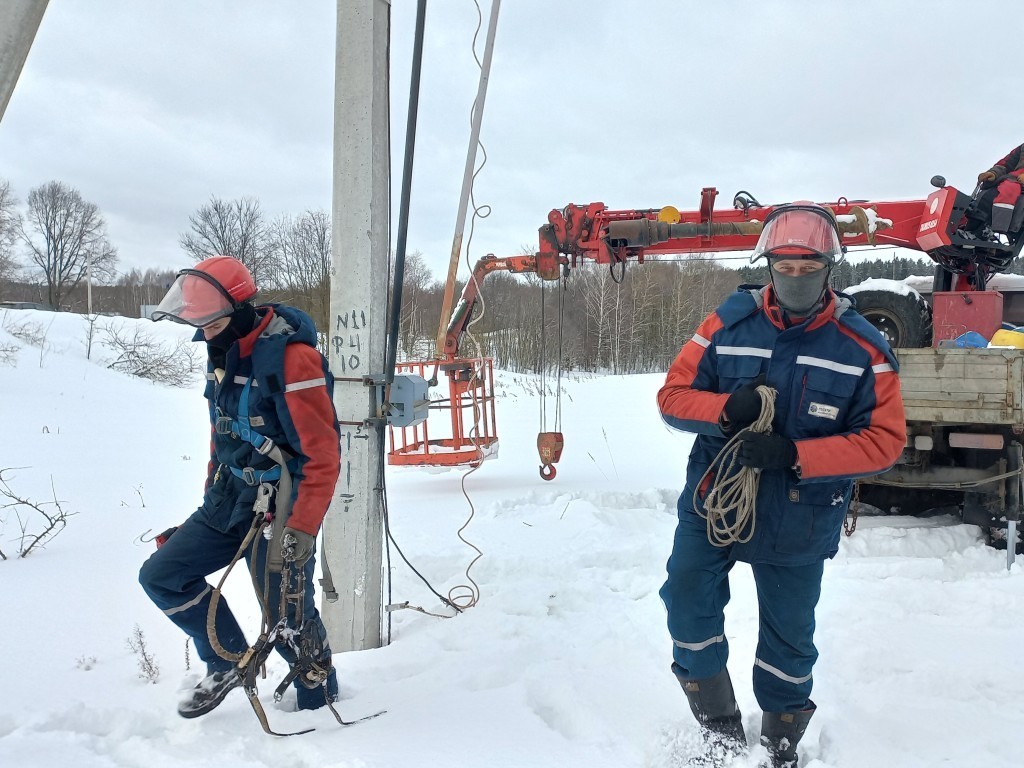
(905, 320)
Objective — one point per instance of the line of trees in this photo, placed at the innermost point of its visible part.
(46, 250)
(629, 322)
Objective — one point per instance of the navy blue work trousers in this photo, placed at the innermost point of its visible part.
(174, 577)
(695, 595)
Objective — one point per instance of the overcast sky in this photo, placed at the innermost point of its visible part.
(150, 108)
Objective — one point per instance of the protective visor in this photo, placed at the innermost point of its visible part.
(799, 232)
(194, 299)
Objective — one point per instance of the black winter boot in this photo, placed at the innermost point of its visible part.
(713, 704)
(1001, 218)
(208, 693)
(781, 732)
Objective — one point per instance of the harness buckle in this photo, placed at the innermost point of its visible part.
(249, 475)
(223, 425)
(263, 495)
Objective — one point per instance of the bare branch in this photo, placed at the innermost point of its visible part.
(54, 523)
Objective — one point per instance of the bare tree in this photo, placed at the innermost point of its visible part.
(65, 236)
(598, 291)
(301, 258)
(9, 219)
(643, 294)
(231, 228)
(136, 288)
(701, 286)
(414, 322)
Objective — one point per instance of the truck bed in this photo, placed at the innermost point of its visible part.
(962, 386)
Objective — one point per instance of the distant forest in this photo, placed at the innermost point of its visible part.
(633, 321)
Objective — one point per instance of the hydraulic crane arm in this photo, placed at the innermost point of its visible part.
(608, 237)
(546, 268)
(579, 233)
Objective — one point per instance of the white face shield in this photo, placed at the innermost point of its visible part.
(194, 299)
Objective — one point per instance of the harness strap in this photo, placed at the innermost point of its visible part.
(241, 428)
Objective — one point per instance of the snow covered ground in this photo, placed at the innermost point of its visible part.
(564, 662)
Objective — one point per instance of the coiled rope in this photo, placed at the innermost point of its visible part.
(733, 493)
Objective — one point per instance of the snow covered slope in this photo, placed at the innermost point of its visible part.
(564, 662)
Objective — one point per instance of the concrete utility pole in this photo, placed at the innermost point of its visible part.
(353, 528)
(19, 20)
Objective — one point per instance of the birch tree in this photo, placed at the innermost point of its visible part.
(9, 219)
(65, 235)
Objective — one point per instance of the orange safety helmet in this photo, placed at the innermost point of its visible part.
(215, 288)
(800, 231)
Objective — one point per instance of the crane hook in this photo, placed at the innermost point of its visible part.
(547, 471)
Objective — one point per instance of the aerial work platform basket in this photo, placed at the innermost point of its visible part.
(473, 436)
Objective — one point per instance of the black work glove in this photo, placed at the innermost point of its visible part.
(297, 546)
(743, 407)
(766, 451)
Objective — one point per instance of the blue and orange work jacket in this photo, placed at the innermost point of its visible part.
(838, 400)
(289, 401)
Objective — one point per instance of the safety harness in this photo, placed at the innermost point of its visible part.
(308, 667)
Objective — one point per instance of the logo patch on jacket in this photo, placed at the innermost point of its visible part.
(823, 411)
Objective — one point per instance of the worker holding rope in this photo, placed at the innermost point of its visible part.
(793, 396)
(273, 467)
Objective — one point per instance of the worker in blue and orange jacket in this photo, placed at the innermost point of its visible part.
(837, 416)
(272, 420)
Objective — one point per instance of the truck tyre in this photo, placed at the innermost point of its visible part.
(905, 320)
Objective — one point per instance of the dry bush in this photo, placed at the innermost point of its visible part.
(139, 354)
(149, 670)
(31, 333)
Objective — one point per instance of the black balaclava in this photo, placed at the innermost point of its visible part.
(243, 320)
(799, 296)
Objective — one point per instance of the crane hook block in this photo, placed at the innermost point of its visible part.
(549, 446)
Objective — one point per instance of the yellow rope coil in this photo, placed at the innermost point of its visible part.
(734, 493)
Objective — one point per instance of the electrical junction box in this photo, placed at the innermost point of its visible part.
(409, 401)
(954, 313)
